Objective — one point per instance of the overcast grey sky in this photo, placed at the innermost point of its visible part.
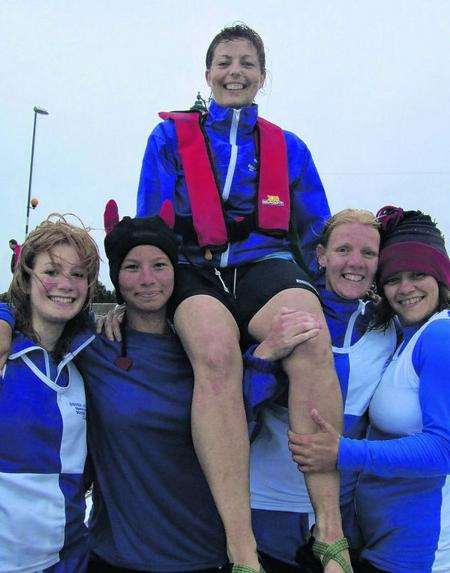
(366, 84)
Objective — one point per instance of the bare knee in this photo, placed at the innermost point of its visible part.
(217, 356)
(218, 372)
(212, 341)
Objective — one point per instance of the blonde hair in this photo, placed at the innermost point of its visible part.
(44, 238)
(348, 216)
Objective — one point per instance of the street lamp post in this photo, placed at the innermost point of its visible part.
(42, 112)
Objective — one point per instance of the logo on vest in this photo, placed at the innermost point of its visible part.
(273, 201)
(253, 167)
(80, 409)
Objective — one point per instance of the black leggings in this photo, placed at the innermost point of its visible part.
(364, 566)
(272, 565)
(97, 565)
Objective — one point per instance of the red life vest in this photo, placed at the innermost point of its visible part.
(273, 205)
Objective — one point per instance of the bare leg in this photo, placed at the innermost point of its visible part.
(312, 384)
(210, 338)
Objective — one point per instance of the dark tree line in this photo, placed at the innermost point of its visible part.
(101, 294)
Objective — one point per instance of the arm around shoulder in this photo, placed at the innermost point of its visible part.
(7, 322)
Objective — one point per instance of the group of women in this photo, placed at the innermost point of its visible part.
(163, 415)
(394, 490)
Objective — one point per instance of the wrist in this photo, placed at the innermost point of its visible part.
(264, 351)
(259, 363)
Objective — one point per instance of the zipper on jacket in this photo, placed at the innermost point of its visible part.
(233, 154)
(230, 171)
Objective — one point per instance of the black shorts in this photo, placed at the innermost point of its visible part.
(243, 290)
(272, 565)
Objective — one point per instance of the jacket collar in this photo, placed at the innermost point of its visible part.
(330, 298)
(221, 118)
(23, 345)
(342, 308)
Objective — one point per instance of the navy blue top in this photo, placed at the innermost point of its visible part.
(152, 505)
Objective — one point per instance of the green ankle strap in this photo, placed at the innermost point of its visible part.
(332, 551)
(245, 569)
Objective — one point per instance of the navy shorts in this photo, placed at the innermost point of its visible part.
(279, 535)
(244, 290)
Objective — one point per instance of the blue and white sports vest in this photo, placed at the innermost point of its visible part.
(42, 457)
(403, 497)
(275, 481)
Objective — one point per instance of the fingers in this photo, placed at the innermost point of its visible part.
(299, 317)
(99, 323)
(293, 330)
(302, 452)
(304, 459)
(107, 330)
(289, 329)
(285, 311)
(314, 452)
(321, 422)
(111, 332)
(113, 319)
(297, 439)
(304, 336)
(116, 327)
(302, 318)
(310, 460)
(293, 438)
(303, 465)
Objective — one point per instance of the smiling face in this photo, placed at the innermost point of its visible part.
(413, 296)
(235, 75)
(58, 289)
(350, 259)
(146, 281)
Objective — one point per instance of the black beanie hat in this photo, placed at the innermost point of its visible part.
(130, 233)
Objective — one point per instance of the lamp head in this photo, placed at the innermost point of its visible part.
(40, 110)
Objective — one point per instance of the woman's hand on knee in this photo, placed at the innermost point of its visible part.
(289, 329)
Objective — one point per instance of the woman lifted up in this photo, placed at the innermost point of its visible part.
(244, 196)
